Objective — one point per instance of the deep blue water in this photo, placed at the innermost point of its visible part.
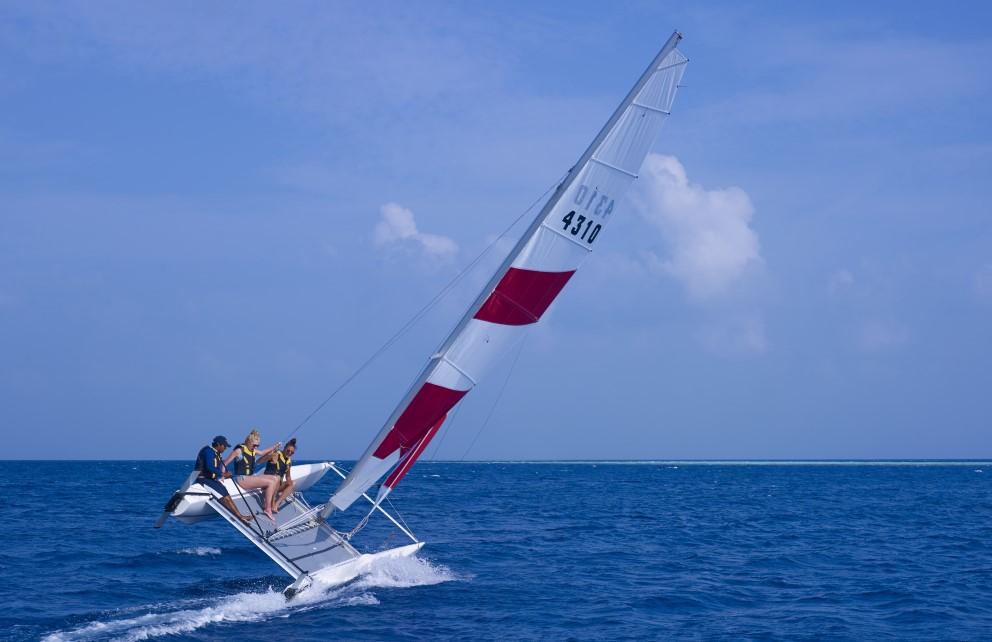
(523, 551)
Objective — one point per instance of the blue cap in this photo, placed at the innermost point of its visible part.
(222, 440)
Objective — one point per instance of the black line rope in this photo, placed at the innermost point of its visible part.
(254, 518)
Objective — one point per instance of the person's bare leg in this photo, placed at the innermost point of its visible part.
(279, 494)
(229, 505)
(264, 482)
(284, 492)
(270, 490)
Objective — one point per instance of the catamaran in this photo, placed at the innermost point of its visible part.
(301, 539)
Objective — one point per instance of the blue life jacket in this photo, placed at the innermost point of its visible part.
(209, 464)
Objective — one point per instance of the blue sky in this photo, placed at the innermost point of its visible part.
(211, 214)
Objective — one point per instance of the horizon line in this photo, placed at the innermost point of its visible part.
(615, 461)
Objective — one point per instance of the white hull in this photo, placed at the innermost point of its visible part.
(347, 571)
(196, 508)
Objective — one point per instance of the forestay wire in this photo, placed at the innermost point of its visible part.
(492, 409)
(423, 311)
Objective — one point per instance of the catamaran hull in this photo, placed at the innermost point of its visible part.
(195, 507)
(347, 571)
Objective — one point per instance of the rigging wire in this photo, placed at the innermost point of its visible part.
(397, 511)
(423, 311)
(502, 389)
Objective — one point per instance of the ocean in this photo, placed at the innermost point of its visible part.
(523, 551)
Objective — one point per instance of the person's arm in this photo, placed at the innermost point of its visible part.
(289, 473)
(235, 454)
(266, 455)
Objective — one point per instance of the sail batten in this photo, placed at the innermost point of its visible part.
(530, 279)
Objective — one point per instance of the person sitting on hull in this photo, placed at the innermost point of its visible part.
(211, 468)
(247, 457)
(278, 469)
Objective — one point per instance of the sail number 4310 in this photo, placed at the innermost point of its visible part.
(584, 228)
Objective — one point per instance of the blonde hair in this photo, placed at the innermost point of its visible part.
(254, 437)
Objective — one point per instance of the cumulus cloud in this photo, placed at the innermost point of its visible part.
(709, 231)
(398, 227)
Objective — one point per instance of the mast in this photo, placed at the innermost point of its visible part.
(528, 280)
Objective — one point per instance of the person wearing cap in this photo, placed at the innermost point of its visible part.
(211, 469)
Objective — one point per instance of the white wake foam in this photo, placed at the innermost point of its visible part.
(404, 572)
(187, 616)
(199, 550)
(243, 607)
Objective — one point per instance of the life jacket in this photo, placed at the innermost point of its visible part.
(201, 464)
(246, 464)
(278, 465)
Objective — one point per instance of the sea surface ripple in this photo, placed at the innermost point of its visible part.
(548, 550)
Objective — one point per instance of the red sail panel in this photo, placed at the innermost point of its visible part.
(401, 470)
(431, 404)
(522, 296)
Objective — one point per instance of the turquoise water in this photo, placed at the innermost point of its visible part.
(581, 550)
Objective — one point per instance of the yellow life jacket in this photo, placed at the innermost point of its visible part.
(245, 465)
(279, 464)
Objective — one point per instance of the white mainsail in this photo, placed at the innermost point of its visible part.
(543, 260)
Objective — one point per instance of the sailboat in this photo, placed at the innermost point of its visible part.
(302, 540)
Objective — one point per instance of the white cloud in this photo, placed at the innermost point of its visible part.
(876, 335)
(397, 226)
(709, 231)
